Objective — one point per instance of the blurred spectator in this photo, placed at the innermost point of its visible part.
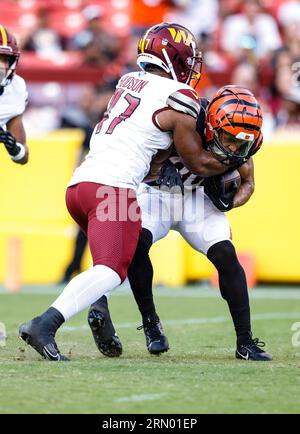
(44, 40)
(130, 62)
(289, 13)
(282, 58)
(251, 31)
(291, 36)
(285, 97)
(146, 13)
(246, 75)
(41, 120)
(98, 46)
(80, 115)
(283, 80)
(229, 7)
(188, 13)
(285, 101)
(289, 114)
(90, 109)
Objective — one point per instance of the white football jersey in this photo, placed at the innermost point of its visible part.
(125, 141)
(13, 100)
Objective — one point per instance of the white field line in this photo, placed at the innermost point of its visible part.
(198, 321)
(138, 398)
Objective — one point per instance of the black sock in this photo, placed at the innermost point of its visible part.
(52, 319)
(140, 275)
(233, 287)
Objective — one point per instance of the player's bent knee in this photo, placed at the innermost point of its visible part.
(223, 254)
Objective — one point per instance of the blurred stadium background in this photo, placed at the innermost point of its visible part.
(73, 51)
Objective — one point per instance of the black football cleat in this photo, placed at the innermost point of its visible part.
(104, 333)
(35, 334)
(252, 351)
(156, 340)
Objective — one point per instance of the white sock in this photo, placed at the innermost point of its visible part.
(85, 289)
(122, 286)
(107, 294)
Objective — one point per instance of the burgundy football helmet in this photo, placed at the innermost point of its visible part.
(174, 49)
(9, 48)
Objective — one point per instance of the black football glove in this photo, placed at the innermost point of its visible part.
(9, 142)
(214, 188)
(169, 177)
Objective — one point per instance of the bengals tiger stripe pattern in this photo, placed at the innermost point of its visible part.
(235, 110)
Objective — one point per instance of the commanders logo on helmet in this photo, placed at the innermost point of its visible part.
(174, 49)
(9, 48)
(234, 121)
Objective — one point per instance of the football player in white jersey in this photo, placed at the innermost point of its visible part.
(230, 126)
(13, 99)
(150, 109)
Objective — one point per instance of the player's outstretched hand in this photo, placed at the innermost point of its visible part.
(170, 177)
(214, 188)
(9, 142)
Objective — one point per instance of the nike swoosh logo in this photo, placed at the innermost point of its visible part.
(245, 357)
(226, 206)
(49, 355)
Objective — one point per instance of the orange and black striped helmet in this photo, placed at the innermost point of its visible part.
(9, 48)
(234, 121)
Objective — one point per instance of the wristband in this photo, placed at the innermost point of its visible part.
(21, 154)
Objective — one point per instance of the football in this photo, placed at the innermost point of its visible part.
(229, 178)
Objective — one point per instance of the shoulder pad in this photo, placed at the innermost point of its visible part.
(204, 102)
(21, 94)
(201, 120)
(185, 101)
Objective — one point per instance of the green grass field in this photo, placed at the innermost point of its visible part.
(198, 375)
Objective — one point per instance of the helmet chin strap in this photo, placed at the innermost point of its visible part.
(169, 64)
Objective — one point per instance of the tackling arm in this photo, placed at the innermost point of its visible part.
(16, 129)
(247, 184)
(157, 163)
(188, 143)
